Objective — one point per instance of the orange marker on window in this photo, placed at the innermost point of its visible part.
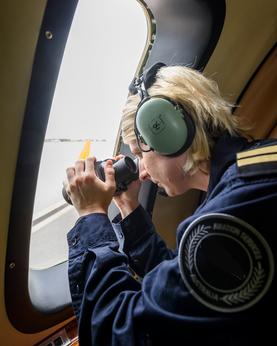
(86, 151)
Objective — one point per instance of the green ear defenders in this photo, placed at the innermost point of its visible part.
(161, 124)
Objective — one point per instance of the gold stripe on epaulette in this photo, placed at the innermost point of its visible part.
(259, 151)
(257, 159)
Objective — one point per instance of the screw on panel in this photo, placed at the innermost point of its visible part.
(12, 265)
(48, 35)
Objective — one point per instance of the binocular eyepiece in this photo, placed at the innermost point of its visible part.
(126, 171)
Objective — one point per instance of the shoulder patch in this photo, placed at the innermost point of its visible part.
(225, 263)
(258, 160)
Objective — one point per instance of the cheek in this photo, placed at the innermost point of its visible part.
(148, 161)
(153, 165)
(175, 175)
(162, 168)
(148, 167)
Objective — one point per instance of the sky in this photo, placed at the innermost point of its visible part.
(104, 47)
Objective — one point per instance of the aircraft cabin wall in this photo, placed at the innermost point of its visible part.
(249, 32)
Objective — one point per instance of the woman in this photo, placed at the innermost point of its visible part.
(127, 287)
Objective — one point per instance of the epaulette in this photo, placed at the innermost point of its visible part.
(255, 161)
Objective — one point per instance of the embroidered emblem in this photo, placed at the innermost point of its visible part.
(225, 263)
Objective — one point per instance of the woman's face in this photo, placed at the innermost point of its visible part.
(166, 172)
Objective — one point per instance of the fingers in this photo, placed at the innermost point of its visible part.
(90, 163)
(118, 157)
(79, 167)
(109, 174)
(82, 166)
(70, 173)
(67, 186)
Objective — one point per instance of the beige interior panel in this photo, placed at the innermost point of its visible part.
(170, 211)
(242, 47)
(273, 133)
(259, 102)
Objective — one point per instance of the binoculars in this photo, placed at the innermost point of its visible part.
(126, 171)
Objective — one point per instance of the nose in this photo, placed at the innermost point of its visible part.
(143, 175)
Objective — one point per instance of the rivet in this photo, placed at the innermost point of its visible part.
(48, 35)
(12, 265)
(74, 241)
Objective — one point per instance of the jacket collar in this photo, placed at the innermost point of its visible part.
(223, 156)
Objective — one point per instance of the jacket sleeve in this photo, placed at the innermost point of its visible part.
(112, 306)
(139, 240)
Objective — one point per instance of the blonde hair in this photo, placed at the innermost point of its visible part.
(200, 97)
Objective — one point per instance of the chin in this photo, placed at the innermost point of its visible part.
(169, 192)
(174, 192)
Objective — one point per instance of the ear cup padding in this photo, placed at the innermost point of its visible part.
(165, 126)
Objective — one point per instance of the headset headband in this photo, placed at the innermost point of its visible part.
(145, 80)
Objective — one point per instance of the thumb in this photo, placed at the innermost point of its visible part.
(109, 174)
(119, 157)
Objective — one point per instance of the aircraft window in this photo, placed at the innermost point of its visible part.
(102, 53)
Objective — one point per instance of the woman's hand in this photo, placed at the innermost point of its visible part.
(127, 201)
(88, 193)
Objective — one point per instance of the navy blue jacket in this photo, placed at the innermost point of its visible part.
(128, 288)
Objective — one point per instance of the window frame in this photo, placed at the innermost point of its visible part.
(22, 309)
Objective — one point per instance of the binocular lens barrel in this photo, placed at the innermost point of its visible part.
(124, 168)
(126, 171)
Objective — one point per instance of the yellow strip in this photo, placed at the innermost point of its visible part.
(257, 159)
(260, 151)
(86, 151)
